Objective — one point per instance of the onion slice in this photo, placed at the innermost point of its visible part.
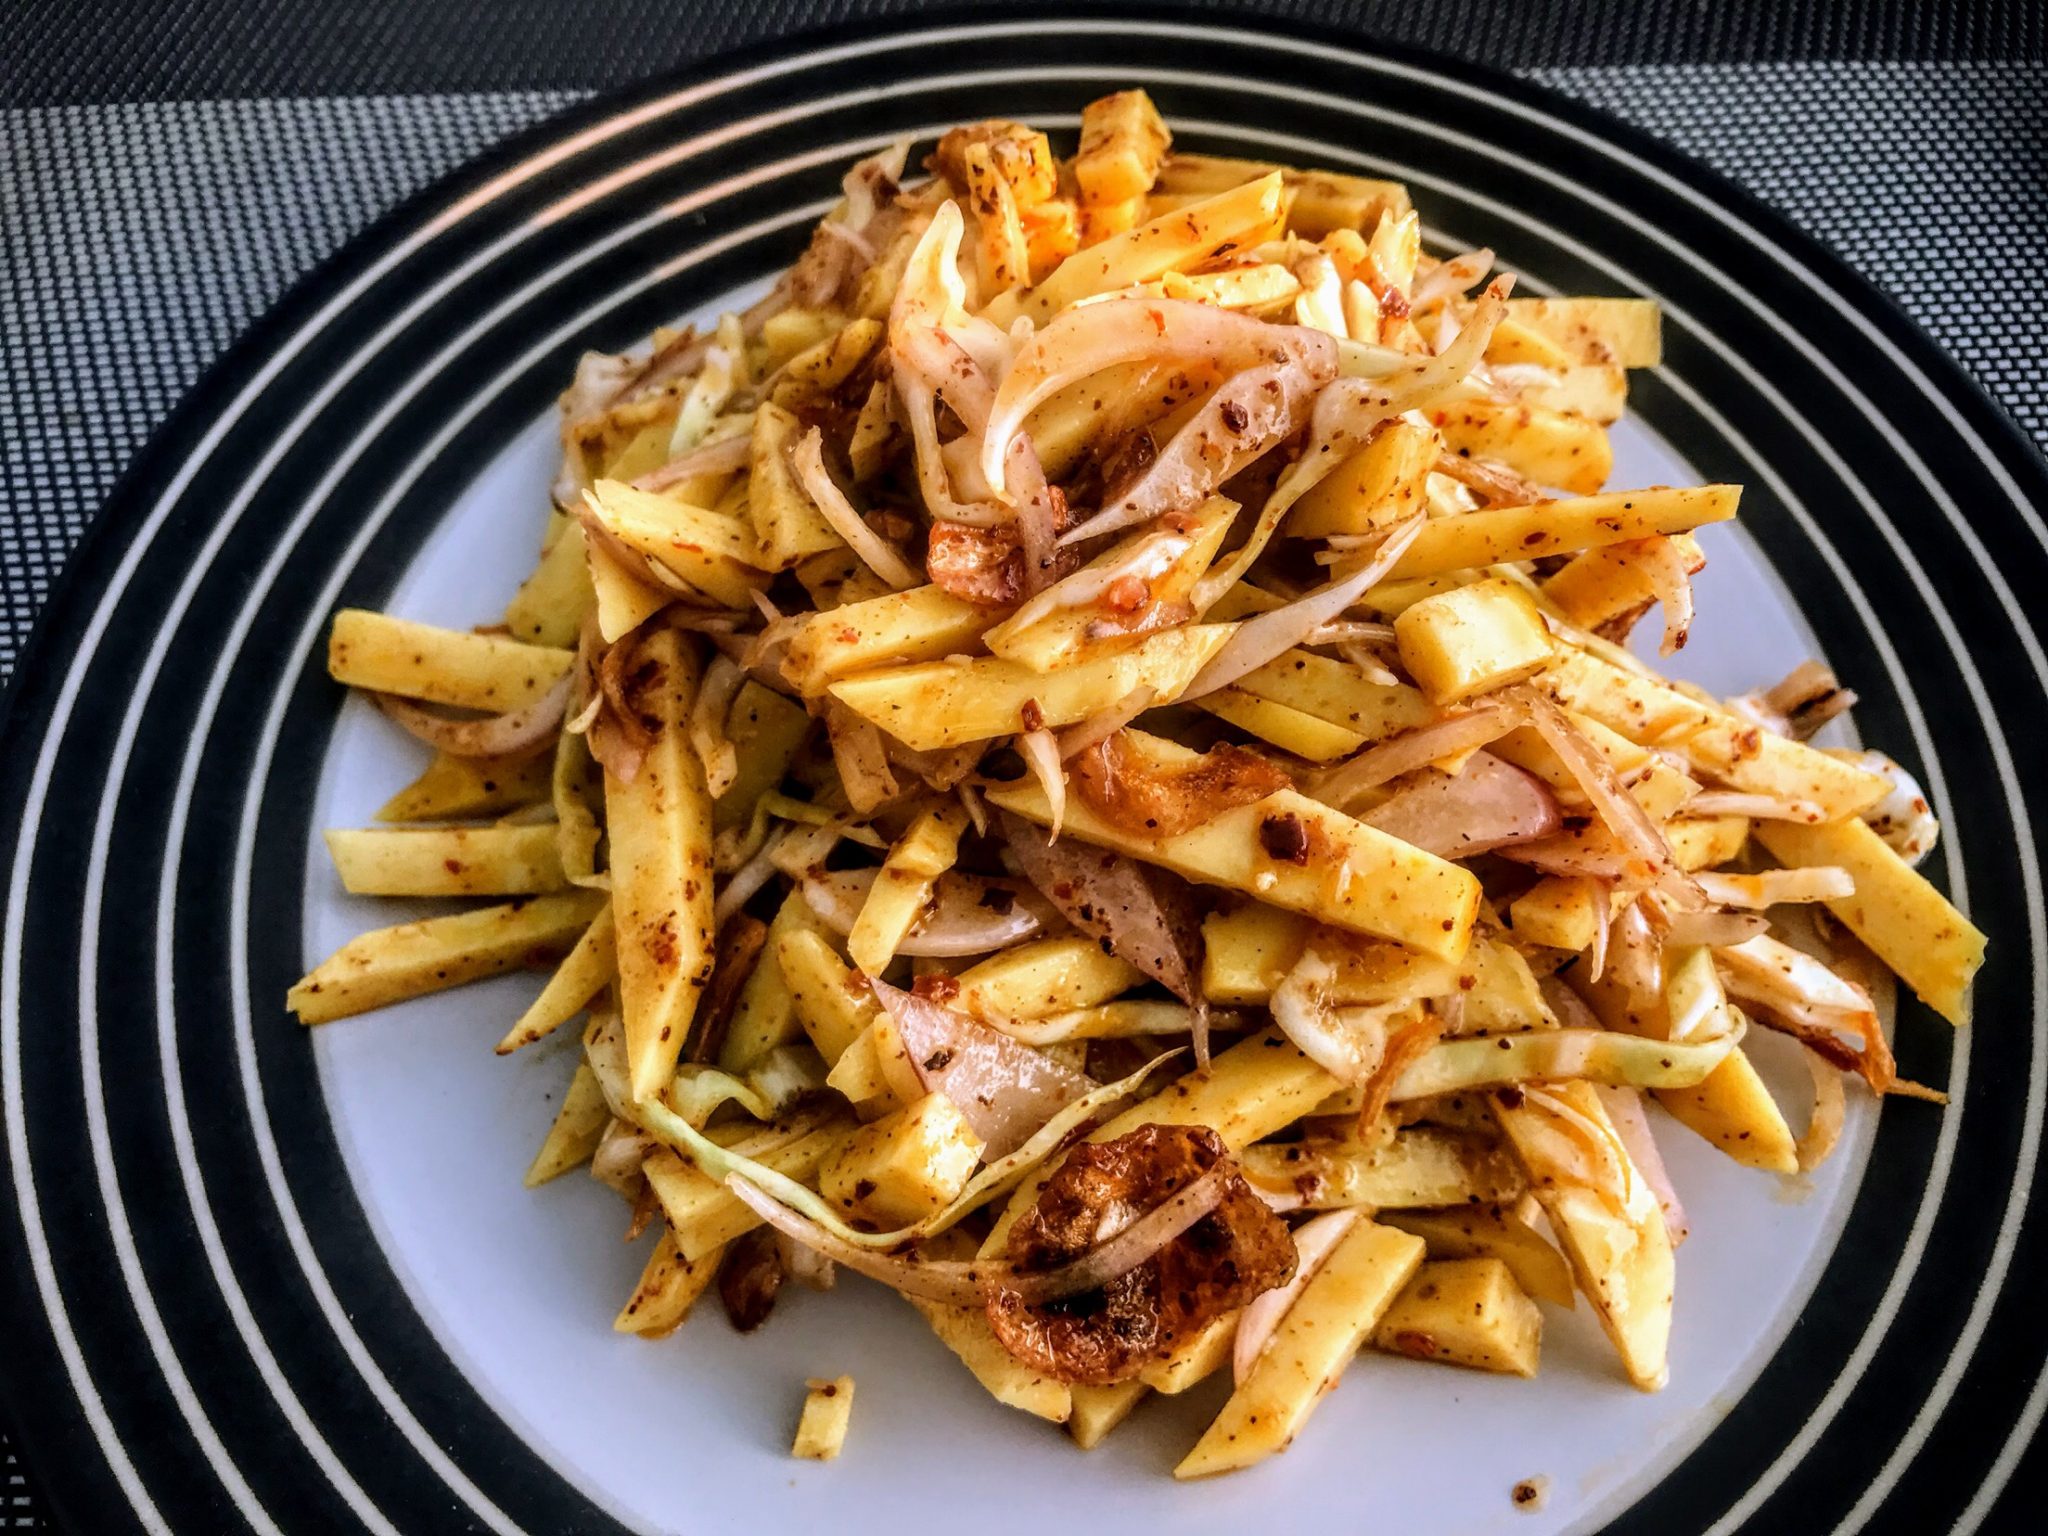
(1773, 887)
(1313, 1240)
(950, 1284)
(1485, 805)
(1132, 909)
(1340, 785)
(968, 915)
(1041, 753)
(808, 460)
(1624, 1107)
(1273, 634)
(1655, 865)
(1126, 1249)
(516, 734)
(1086, 339)
(1003, 1088)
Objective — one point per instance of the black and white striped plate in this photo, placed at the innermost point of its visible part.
(263, 1278)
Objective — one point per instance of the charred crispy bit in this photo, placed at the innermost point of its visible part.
(740, 943)
(1284, 838)
(750, 1278)
(1124, 788)
(1101, 1337)
(976, 565)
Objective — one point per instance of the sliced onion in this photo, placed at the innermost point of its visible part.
(1350, 632)
(714, 748)
(1799, 704)
(1083, 341)
(1714, 929)
(516, 734)
(1145, 558)
(1426, 744)
(862, 758)
(1488, 804)
(1636, 955)
(1448, 279)
(1664, 567)
(1495, 482)
(1348, 1043)
(1617, 809)
(1625, 1108)
(1272, 634)
(1830, 1109)
(1130, 908)
(1902, 818)
(1096, 729)
(969, 915)
(1244, 419)
(1603, 927)
(1125, 1250)
(742, 884)
(720, 456)
(1313, 1240)
(1774, 887)
(808, 459)
(1731, 802)
(1041, 754)
(1003, 1088)
(951, 1284)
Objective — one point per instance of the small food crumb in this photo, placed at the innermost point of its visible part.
(821, 1431)
(1530, 1493)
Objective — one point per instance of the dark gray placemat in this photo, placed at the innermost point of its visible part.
(137, 238)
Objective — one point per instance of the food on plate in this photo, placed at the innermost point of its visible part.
(1080, 760)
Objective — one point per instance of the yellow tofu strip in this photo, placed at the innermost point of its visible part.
(390, 965)
(828, 1408)
(706, 550)
(1041, 978)
(1605, 583)
(1284, 726)
(904, 1166)
(786, 525)
(939, 704)
(1095, 1411)
(548, 609)
(1545, 446)
(669, 1286)
(448, 861)
(660, 830)
(1355, 877)
(626, 599)
(1495, 1232)
(703, 1214)
(966, 1332)
(1194, 1360)
(1501, 534)
(574, 1133)
(581, 975)
(764, 1016)
(1467, 1312)
(1237, 220)
(1319, 201)
(1123, 142)
(922, 624)
(1745, 756)
(1907, 923)
(442, 666)
(832, 1003)
(455, 787)
(903, 886)
(1248, 949)
(1627, 333)
(1335, 1313)
(1614, 1235)
(1419, 1168)
(765, 730)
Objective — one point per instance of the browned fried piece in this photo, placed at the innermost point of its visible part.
(976, 565)
(740, 943)
(1101, 1337)
(750, 1277)
(1118, 785)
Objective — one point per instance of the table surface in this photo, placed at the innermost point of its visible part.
(167, 172)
